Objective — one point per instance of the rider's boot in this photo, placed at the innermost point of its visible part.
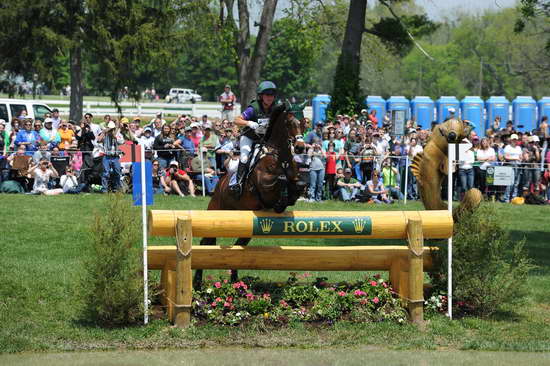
(237, 188)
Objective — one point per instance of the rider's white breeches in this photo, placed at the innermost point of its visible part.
(245, 145)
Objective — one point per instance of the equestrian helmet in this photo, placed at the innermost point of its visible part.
(266, 87)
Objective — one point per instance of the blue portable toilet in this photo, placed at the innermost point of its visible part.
(379, 105)
(497, 107)
(471, 108)
(524, 110)
(422, 109)
(320, 104)
(399, 103)
(544, 108)
(443, 104)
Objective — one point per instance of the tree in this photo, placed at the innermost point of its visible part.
(395, 30)
(250, 61)
(293, 49)
(125, 36)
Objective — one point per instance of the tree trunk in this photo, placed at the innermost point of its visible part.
(250, 64)
(77, 89)
(346, 95)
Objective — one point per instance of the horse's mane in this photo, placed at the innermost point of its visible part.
(277, 133)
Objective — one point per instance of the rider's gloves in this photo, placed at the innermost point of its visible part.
(253, 125)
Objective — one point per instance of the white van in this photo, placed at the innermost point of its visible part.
(11, 108)
(178, 95)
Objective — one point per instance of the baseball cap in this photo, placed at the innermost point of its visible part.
(194, 125)
(228, 86)
(363, 111)
(174, 162)
(513, 136)
(136, 119)
(319, 124)
(347, 170)
(2, 122)
(124, 120)
(452, 110)
(188, 129)
(207, 126)
(55, 110)
(534, 138)
(48, 120)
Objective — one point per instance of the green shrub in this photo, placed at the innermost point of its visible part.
(489, 269)
(112, 285)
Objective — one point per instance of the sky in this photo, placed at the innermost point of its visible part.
(438, 9)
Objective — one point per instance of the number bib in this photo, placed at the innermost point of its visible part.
(262, 126)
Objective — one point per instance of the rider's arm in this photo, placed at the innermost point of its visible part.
(245, 118)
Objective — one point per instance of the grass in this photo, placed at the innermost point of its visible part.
(44, 240)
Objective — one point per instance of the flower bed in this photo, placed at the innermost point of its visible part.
(368, 300)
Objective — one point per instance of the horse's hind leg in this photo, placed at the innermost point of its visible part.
(243, 242)
(197, 280)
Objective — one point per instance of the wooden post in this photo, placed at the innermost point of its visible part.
(416, 270)
(170, 294)
(184, 278)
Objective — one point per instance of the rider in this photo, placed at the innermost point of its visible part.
(255, 120)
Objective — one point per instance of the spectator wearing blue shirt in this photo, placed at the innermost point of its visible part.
(185, 142)
(316, 133)
(28, 137)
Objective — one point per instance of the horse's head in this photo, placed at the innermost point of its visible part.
(286, 125)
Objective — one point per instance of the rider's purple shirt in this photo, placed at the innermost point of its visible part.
(248, 114)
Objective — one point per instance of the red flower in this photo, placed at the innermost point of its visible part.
(217, 284)
(373, 283)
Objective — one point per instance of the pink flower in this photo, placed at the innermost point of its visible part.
(385, 284)
(341, 293)
(243, 285)
(224, 281)
(266, 296)
(373, 283)
(219, 299)
(226, 304)
(376, 300)
(363, 301)
(214, 304)
(237, 285)
(217, 284)
(359, 293)
(283, 303)
(229, 299)
(250, 296)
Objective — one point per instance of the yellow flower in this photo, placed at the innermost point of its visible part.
(266, 315)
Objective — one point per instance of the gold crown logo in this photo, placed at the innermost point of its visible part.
(359, 225)
(266, 225)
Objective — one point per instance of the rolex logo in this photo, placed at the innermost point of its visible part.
(358, 225)
(266, 225)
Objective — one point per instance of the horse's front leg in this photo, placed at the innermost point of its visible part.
(243, 242)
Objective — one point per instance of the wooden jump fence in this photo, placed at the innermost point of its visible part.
(405, 263)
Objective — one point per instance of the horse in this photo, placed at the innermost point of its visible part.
(272, 180)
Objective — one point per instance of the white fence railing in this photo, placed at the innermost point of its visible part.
(212, 110)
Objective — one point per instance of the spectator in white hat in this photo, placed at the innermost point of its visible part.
(512, 157)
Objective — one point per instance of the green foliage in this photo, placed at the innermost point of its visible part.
(292, 53)
(112, 284)
(489, 269)
(347, 97)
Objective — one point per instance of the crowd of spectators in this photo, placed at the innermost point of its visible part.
(350, 158)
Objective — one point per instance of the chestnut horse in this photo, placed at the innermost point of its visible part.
(272, 181)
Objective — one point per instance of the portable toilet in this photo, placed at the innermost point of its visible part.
(320, 104)
(422, 109)
(544, 109)
(443, 105)
(471, 108)
(399, 103)
(497, 107)
(378, 104)
(524, 111)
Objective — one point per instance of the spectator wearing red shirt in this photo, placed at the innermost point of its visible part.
(174, 175)
(330, 169)
(372, 117)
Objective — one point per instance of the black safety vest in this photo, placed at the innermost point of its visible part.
(262, 118)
